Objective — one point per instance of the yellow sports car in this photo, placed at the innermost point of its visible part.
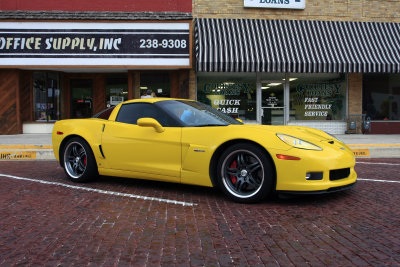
(188, 142)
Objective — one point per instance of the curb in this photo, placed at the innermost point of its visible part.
(26, 152)
(45, 152)
(375, 150)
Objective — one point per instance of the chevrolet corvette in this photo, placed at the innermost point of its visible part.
(185, 141)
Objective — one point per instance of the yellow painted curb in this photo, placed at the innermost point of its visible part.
(361, 152)
(17, 155)
(26, 147)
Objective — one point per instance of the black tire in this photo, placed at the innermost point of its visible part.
(245, 173)
(78, 161)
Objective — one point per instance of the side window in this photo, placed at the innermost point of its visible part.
(105, 114)
(130, 113)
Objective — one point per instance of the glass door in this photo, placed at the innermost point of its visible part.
(272, 102)
(81, 98)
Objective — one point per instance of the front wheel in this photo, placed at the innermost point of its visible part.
(78, 161)
(245, 174)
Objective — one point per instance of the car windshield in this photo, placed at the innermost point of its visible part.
(195, 114)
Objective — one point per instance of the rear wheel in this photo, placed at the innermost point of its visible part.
(78, 161)
(245, 173)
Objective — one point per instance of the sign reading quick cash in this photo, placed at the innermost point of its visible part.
(290, 4)
(94, 44)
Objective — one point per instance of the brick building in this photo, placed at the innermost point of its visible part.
(324, 64)
(70, 59)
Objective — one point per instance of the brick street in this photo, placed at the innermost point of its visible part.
(53, 224)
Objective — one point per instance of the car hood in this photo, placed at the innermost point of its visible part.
(305, 133)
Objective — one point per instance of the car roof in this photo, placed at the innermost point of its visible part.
(115, 111)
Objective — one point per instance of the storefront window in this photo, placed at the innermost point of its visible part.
(116, 89)
(157, 82)
(317, 97)
(381, 96)
(234, 95)
(47, 96)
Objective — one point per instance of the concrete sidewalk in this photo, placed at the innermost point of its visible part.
(26, 147)
(373, 146)
(38, 146)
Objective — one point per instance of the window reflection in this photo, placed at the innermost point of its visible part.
(232, 94)
(381, 96)
(47, 96)
(317, 97)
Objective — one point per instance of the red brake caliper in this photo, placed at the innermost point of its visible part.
(233, 166)
(84, 161)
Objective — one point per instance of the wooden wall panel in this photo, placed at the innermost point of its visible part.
(99, 93)
(179, 83)
(25, 95)
(184, 84)
(9, 103)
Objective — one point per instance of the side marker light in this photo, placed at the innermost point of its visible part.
(286, 157)
(59, 133)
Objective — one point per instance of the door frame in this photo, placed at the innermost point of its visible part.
(286, 98)
(70, 94)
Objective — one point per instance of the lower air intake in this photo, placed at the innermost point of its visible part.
(339, 174)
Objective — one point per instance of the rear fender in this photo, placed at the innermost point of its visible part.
(88, 129)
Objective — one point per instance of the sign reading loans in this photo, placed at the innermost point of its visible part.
(94, 44)
(291, 4)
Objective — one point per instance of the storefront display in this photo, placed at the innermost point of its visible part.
(381, 96)
(318, 97)
(234, 95)
(71, 61)
(47, 96)
(312, 97)
(157, 82)
(116, 89)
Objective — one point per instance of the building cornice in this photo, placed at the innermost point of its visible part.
(92, 15)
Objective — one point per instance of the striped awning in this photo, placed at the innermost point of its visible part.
(252, 45)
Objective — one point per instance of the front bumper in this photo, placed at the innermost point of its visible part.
(328, 191)
(291, 174)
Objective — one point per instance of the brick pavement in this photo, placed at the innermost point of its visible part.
(52, 225)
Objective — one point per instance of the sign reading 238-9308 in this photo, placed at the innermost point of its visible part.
(164, 43)
(124, 44)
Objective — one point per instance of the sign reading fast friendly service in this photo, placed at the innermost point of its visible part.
(94, 44)
(289, 4)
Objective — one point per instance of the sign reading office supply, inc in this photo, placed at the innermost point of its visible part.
(290, 4)
(94, 44)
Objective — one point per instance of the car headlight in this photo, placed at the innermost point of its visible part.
(297, 142)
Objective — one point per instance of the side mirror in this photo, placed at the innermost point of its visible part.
(150, 122)
(239, 120)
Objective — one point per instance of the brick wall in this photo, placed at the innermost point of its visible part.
(355, 93)
(98, 5)
(334, 10)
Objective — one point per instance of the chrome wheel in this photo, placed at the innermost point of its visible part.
(242, 173)
(75, 160)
